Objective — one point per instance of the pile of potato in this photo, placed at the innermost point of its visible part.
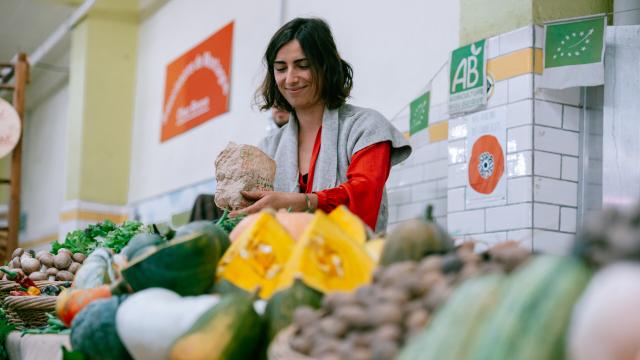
(46, 266)
(376, 320)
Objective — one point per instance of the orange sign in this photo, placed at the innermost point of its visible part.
(197, 85)
(486, 165)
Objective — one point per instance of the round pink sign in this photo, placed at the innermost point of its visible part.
(9, 128)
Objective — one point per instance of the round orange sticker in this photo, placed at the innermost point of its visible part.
(486, 165)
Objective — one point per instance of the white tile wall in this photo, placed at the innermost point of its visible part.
(568, 218)
(439, 206)
(399, 196)
(393, 214)
(429, 153)
(508, 217)
(500, 94)
(547, 164)
(548, 113)
(486, 240)
(466, 222)
(555, 191)
(516, 40)
(457, 175)
(556, 140)
(425, 191)
(524, 237)
(520, 88)
(493, 47)
(458, 128)
(552, 242)
(407, 176)
(570, 168)
(457, 151)
(538, 36)
(519, 139)
(519, 113)
(456, 199)
(546, 216)
(410, 211)
(519, 164)
(569, 96)
(571, 118)
(520, 190)
(435, 170)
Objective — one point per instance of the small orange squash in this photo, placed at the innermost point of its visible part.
(294, 222)
(71, 301)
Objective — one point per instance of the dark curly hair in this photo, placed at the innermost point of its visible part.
(334, 75)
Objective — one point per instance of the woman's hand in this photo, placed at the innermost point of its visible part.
(275, 200)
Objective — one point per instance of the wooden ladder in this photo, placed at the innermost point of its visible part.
(9, 233)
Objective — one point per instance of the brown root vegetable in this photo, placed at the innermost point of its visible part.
(392, 295)
(417, 320)
(354, 315)
(79, 257)
(73, 268)
(40, 253)
(46, 259)
(62, 261)
(333, 327)
(388, 332)
(386, 314)
(15, 263)
(38, 276)
(396, 272)
(384, 350)
(333, 300)
(431, 263)
(305, 316)
(64, 275)
(52, 271)
(301, 344)
(30, 265)
(17, 252)
(65, 250)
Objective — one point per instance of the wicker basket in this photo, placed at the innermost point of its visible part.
(7, 286)
(280, 349)
(27, 312)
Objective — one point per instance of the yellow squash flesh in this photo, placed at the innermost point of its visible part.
(349, 223)
(258, 256)
(327, 259)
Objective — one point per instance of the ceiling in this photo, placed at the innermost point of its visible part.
(26, 24)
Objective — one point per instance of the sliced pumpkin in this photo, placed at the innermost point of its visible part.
(374, 248)
(258, 256)
(351, 224)
(327, 259)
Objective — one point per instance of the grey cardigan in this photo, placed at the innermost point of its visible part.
(345, 131)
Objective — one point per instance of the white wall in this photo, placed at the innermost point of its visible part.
(394, 48)
(43, 165)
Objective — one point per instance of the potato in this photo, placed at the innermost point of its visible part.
(64, 275)
(30, 265)
(384, 350)
(386, 314)
(73, 268)
(354, 315)
(417, 320)
(40, 253)
(388, 332)
(305, 316)
(37, 276)
(62, 261)
(301, 344)
(333, 327)
(46, 259)
(79, 257)
(52, 271)
(15, 263)
(17, 252)
(332, 300)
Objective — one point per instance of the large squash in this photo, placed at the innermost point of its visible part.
(141, 243)
(351, 224)
(186, 265)
(281, 306)
(72, 301)
(230, 330)
(327, 259)
(257, 257)
(206, 227)
(415, 239)
(94, 331)
(293, 222)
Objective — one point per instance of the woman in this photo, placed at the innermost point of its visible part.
(329, 153)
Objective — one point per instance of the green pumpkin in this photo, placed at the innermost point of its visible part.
(207, 227)
(142, 243)
(282, 305)
(187, 265)
(93, 331)
(414, 240)
(230, 330)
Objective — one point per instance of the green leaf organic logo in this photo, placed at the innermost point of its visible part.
(574, 43)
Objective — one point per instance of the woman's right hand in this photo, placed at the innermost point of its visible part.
(275, 200)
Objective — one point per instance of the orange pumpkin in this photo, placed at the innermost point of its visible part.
(71, 301)
(294, 222)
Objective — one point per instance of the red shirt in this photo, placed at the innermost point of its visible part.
(366, 176)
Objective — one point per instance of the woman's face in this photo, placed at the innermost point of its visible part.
(294, 77)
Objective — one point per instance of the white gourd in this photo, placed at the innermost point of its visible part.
(606, 321)
(149, 321)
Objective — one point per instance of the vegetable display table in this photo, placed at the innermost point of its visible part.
(36, 347)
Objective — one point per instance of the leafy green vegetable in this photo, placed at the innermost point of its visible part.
(54, 326)
(71, 355)
(5, 329)
(104, 234)
(228, 224)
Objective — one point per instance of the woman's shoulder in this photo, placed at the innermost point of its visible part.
(361, 114)
(269, 144)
